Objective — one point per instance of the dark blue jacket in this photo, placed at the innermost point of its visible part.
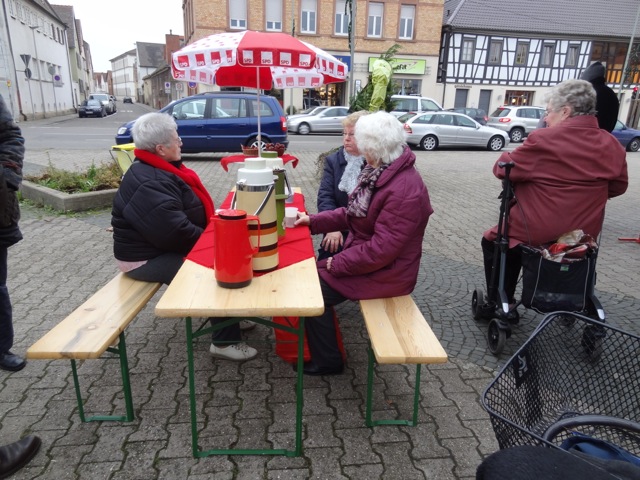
(330, 196)
(154, 212)
(11, 159)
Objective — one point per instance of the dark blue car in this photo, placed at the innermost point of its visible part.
(628, 137)
(222, 122)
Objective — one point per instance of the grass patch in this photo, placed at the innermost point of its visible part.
(94, 179)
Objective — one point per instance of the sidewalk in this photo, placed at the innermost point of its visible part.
(64, 259)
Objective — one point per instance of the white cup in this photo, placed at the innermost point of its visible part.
(290, 216)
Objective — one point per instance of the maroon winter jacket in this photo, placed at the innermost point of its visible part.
(562, 179)
(381, 256)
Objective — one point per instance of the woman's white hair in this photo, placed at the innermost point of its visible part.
(380, 137)
(153, 129)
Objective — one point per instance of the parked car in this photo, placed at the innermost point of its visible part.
(222, 122)
(518, 121)
(92, 108)
(629, 138)
(105, 99)
(328, 120)
(477, 114)
(449, 129)
(308, 111)
(127, 100)
(413, 103)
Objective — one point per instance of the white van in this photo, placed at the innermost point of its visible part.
(413, 103)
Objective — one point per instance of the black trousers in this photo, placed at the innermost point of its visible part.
(6, 311)
(163, 269)
(321, 332)
(512, 268)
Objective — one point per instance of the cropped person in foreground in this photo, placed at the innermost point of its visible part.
(386, 217)
(159, 212)
(563, 176)
(339, 178)
(11, 158)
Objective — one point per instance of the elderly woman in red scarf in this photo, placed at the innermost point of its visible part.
(159, 212)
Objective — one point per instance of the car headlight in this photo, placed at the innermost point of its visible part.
(122, 130)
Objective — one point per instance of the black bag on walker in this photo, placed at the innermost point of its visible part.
(549, 286)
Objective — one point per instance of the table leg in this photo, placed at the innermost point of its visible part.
(299, 389)
(192, 390)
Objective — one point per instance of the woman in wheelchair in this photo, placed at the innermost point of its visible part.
(562, 178)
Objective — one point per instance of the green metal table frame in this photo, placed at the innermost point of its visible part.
(120, 351)
(191, 336)
(416, 397)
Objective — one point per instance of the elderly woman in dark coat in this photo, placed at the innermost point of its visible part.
(386, 216)
(562, 178)
(159, 212)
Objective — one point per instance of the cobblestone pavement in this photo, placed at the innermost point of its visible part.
(65, 258)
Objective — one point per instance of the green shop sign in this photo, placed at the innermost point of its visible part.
(404, 66)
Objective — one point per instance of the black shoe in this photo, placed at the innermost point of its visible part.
(16, 455)
(11, 362)
(311, 368)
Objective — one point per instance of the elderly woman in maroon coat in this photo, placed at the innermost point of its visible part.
(562, 178)
(386, 217)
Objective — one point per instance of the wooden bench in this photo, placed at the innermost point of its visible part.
(398, 334)
(97, 326)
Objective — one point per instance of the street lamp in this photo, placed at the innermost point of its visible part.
(35, 46)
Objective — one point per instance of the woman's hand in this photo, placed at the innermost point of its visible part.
(332, 241)
(303, 219)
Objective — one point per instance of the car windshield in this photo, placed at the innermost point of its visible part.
(406, 116)
(93, 103)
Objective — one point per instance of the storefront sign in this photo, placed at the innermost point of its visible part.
(404, 66)
(346, 59)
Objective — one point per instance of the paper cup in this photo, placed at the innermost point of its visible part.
(290, 216)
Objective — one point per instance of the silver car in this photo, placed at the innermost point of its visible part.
(517, 121)
(448, 129)
(328, 120)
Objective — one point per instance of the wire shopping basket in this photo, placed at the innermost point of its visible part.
(574, 375)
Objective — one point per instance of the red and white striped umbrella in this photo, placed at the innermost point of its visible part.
(278, 59)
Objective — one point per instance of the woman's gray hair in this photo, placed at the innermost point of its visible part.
(153, 129)
(380, 137)
(577, 94)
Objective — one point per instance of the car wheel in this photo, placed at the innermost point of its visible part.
(634, 145)
(80, 115)
(496, 143)
(254, 143)
(516, 135)
(304, 129)
(103, 113)
(430, 142)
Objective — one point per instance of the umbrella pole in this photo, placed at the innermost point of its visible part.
(259, 126)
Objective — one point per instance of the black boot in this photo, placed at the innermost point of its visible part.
(16, 455)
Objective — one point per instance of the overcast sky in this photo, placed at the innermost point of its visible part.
(112, 27)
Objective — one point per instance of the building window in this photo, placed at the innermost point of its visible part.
(274, 15)
(546, 59)
(572, 56)
(12, 8)
(495, 52)
(407, 15)
(468, 45)
(342, 18)
(522, 51)
(308, 16)
(374, 24)
(237, 15)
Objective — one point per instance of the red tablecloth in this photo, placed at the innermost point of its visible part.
(295, 246)
(225, 161)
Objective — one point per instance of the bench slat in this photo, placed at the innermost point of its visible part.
(89, 330)
(398, 332)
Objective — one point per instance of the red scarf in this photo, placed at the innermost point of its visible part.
(189, 176)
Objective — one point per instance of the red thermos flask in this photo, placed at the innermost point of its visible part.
(232, 248)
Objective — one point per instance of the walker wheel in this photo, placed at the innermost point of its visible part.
(592, 340)
(476, 307)
(496, 337)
